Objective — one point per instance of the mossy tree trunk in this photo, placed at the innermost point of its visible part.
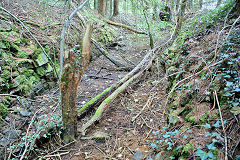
(75, 64)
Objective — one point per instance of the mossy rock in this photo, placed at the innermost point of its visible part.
(39, 57)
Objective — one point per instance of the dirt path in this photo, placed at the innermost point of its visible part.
(126, 136)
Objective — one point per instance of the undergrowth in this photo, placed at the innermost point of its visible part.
(201, 84)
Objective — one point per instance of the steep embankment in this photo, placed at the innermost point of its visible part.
(203, 90)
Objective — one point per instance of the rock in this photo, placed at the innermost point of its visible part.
(161, 156)
(40, 60)
(25, 113)
(4, 142)
(7, 119)
(138, 156)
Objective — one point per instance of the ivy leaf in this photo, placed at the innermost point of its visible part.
(154, 145)
(210, 155)
(206, 125)
(156, 133)
(202, 154)
(229, 84)
(237, 90)
(189, 131)
(166, 135)
(215, 134)
(207, 134)
(217, 124)
(211, 146)
(224, 122)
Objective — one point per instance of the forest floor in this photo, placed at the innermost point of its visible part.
(129, 122)
(144, 99)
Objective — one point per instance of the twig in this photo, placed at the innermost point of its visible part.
(224, 131)
(27, 143)
(56, 155)
(227, 35)
(147, 104)
(58, 149)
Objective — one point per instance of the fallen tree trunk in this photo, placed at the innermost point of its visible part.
(124, 26)
(100, 97)
(115, 90)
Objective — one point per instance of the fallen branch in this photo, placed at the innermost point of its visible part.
(98, 114)
(102, 96)
(83, 22)
(124, 26)
(107, 55)
(149, 101)
(224, 130)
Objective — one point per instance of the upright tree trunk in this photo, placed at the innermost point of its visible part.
(111, 7)
(200, 3)
(101, 7)
(219, 2)
(181, 12)
(115, 8)
(95, 5)
(73, 70)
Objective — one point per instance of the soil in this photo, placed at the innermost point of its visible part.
(143, 98)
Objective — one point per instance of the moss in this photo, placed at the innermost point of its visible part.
(22, 54)
(34, 79)
(204, 117)
(186, 150)
(40, 71)
(192, 120)
(3, 110)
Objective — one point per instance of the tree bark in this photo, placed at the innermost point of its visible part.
(200, 3)
(219, 2)
(101, 7)
(115, 8)
(181, 12)
(95, 5)
(111, 7)
(74, 67)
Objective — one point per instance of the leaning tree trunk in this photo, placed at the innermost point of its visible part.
(101, 7)
(115, 8)
(74, 67)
